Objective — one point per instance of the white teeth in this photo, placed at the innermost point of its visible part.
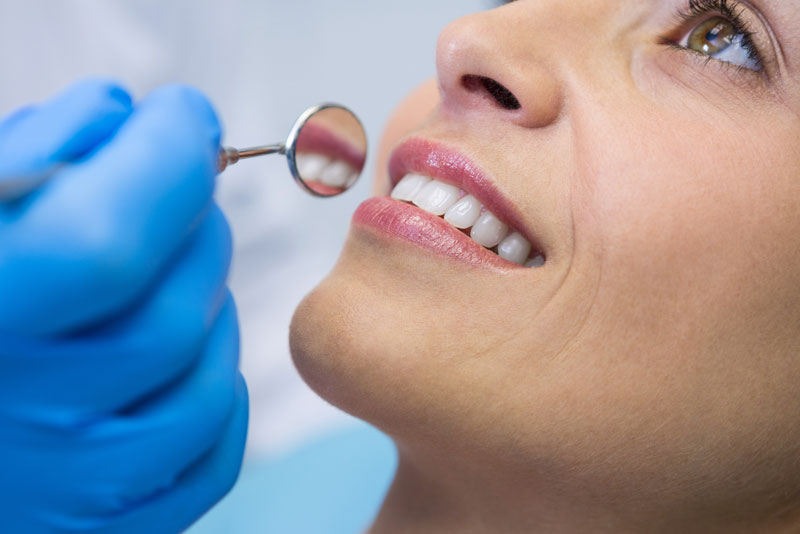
(514, 248)
(318, 168)
(538, 261)
(407, 188)
(310, 166)
(488, 230)
(336, 174)
(436, 197)
(464, 213)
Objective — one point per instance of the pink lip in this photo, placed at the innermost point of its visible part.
(320, 140)
(419, 156)
(399, 219)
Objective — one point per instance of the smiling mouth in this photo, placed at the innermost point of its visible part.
(467, 214)
(444, 201)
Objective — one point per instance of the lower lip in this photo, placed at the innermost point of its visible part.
(323, 189)
(407, 222)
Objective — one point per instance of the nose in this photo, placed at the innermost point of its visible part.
(484, 67)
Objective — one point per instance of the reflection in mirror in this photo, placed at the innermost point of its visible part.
(330, 151)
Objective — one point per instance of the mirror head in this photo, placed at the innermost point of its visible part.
(327, 150)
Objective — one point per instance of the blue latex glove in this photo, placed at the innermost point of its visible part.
(121, 406)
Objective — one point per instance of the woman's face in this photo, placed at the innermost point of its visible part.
(655, 353)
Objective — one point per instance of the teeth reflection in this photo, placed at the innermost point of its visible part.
(436, 197)
(336, 174)
(464, 213)
(488, 231)
(310, 166)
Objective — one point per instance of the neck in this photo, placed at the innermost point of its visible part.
(436, 496)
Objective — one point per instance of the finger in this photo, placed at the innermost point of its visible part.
(122, 459)
(171, 431)
(38, 139)
(198, 489)
(103, 230)
(71, 380)
(167, 510)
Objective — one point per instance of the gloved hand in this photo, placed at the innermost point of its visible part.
(121, 406)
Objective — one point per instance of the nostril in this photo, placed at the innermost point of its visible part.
(501, 95)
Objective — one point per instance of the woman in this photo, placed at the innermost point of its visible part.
(639, 375)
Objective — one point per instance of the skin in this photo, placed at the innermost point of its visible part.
(645, 378)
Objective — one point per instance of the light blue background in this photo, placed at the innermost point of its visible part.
(332, 486)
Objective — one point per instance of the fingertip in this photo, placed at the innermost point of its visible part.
(99, 103)
(188, 101)
(92, 98)
(101, 89)
(67, 125)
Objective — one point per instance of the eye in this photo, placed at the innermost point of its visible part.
(723, 39)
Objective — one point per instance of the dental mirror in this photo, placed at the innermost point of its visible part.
(326, 150)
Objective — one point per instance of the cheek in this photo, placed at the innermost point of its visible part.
(698, 237)
(694, 328)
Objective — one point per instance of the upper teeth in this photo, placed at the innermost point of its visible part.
(465, 212)
(322, 169)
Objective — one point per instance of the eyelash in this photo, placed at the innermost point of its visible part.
(731, 10)
(697, 9)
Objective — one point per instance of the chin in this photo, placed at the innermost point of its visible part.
(323, 345)
(372, 340)
(343, 343)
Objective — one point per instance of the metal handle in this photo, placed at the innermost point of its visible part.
(229, 155)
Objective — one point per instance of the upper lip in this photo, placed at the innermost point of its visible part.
(435, 160)
(321, 140)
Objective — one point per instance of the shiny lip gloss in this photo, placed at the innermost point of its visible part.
(400, 219)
